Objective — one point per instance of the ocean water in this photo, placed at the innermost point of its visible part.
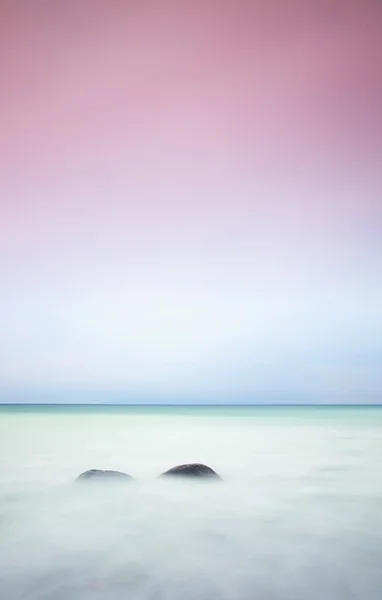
(298, 516)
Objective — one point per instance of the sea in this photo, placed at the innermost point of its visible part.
(298, 515)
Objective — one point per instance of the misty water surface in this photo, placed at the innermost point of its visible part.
(298, 514)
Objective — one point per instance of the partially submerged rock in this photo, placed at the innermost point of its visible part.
(98, 475)
(193, 470)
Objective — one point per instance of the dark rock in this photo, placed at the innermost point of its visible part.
(191, 470)
(97, 475)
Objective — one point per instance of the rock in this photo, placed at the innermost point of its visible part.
(192, 470)
(97, 475)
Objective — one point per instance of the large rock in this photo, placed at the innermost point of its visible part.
(97, 475)
(191, 470)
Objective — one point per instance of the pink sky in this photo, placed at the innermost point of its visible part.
(238, 142)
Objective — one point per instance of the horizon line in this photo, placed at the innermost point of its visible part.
(195, 405)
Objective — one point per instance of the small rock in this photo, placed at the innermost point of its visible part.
(191, 470)
(98, 475)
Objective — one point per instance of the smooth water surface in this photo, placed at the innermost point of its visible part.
(298, 516)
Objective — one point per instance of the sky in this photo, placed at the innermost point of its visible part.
(191, 201)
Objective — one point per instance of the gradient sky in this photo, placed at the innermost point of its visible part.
(191, 200)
